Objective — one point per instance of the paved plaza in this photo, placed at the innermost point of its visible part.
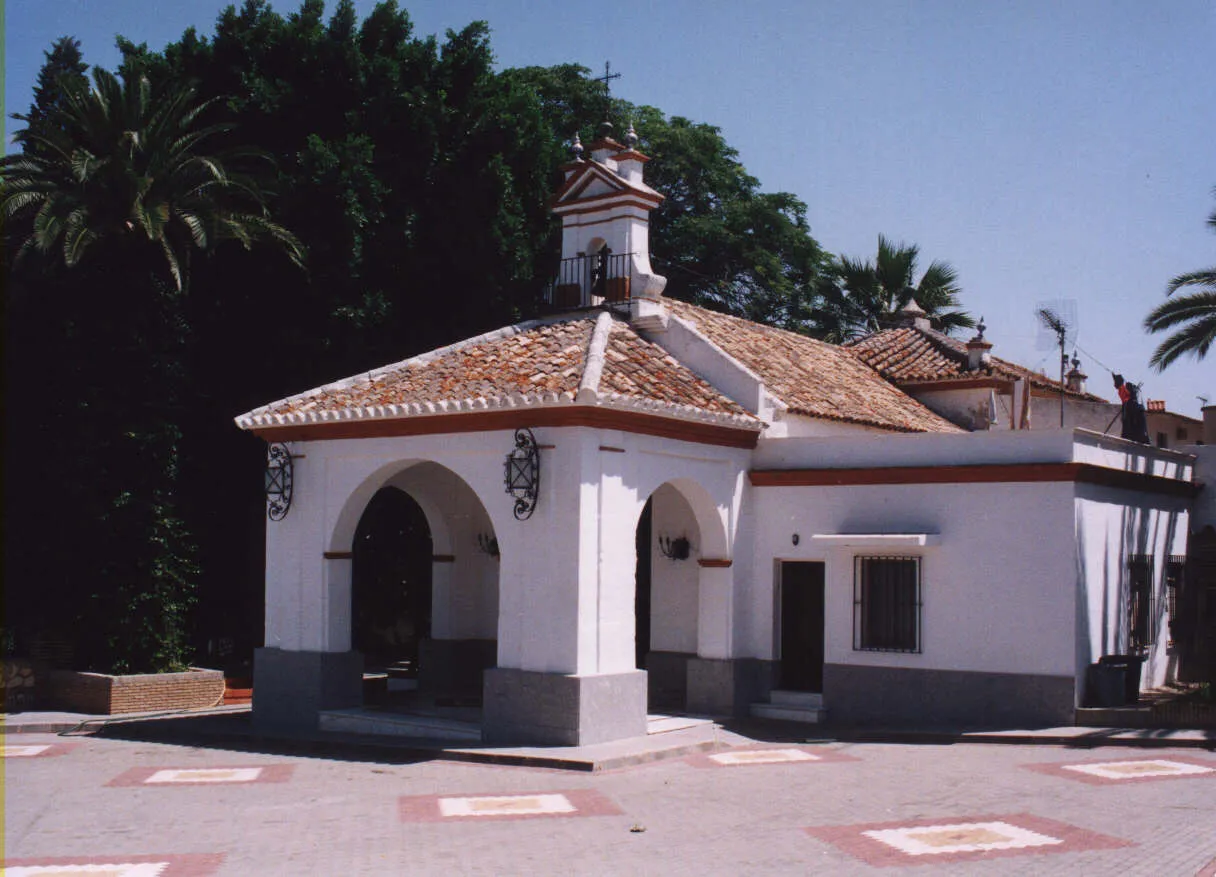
(127, 808)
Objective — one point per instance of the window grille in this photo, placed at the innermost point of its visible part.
(1140, 601)
(1175, 571)
(886, 604)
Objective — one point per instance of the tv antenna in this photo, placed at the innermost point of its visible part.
(1066, 310)
(1052, 321)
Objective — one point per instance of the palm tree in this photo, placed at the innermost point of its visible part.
(1192, 316)
(116, 188)
(868, 295)
(118, 165)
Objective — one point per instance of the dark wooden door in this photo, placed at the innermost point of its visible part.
(802, 626)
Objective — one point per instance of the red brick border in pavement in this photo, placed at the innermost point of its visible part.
(267, 773)
(1068, 838)
(1068, 770)
(186, 865)
(584, 802)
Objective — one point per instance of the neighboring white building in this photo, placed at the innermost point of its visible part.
(760, 520)
(966, 384)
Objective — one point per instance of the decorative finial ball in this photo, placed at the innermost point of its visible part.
(577, 147)
(631, 136)
(980, 328)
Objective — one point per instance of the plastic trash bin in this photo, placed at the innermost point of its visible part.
(1105, 685)
(1131, 666)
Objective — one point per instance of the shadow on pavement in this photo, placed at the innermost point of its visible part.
(235, 732)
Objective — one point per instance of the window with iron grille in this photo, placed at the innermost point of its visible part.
(886, 604)
(1175, 569)
(1140, 601)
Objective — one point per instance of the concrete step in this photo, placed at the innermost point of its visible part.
(359, 721)
(801, 699)
(810, 716)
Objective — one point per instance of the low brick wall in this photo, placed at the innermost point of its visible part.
(99, 694)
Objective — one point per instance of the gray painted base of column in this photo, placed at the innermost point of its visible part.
(454, 667)
(726, 686)
(898, 696)
(291, 688)
(552, 709)
(667, 679)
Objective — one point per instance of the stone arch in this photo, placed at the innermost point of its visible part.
(668, 608)
(464, 574)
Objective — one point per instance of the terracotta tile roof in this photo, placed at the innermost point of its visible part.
(908, 355)
(544, 362)
(811, 377)
(634, 367)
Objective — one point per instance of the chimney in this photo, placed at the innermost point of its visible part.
(1074, 381)
(978, 356)
(1209, 424)
(912, 316)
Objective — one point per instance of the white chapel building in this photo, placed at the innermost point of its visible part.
(707, 515)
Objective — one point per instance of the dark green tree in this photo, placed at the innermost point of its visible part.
(720, 240)
(868, 295)
(62, 72)
(1190, 318)
(113, 193)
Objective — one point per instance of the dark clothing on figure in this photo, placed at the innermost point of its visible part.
(1135, 424)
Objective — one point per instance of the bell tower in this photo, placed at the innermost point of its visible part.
(605, 205)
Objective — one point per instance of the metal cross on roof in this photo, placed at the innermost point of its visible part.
(606, 126)
(607, 78)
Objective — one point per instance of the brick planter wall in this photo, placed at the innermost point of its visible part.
(99, 694)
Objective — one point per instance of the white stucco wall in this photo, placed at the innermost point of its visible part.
(1204, 506)
(997, 588)
(564, 600)
(969, 408)
(1111, 525)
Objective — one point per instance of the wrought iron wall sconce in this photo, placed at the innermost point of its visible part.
(522, 474)
(488, 544)
(278, 481)
(675, 549)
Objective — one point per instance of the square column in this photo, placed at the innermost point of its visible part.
(566, 673)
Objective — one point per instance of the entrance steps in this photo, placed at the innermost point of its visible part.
(363, 721)
(791, 706)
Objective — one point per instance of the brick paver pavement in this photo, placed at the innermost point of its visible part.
(346, 817)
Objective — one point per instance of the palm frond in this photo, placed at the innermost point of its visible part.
(1196, 314)
(1204, 277)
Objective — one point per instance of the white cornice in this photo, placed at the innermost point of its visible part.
(262, 419)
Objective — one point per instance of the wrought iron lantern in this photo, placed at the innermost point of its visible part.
(278, 481)
(522, 474)
(487, 544)
(675, 549)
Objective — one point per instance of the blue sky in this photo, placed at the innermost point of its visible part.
(1052, 152)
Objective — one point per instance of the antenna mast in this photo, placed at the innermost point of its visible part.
(1052, 321)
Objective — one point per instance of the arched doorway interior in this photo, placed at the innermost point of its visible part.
(391, 583)
(668, 544)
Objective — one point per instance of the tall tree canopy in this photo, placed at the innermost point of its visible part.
(416, 177)
(113, 192)
(120, 168)
(869, 294)
(1190, 318)
(720, 241)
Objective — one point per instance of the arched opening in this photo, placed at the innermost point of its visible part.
(668, 544)
(423, 598)
(391, 583)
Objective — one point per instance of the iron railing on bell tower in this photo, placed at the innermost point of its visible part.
(591, 281)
